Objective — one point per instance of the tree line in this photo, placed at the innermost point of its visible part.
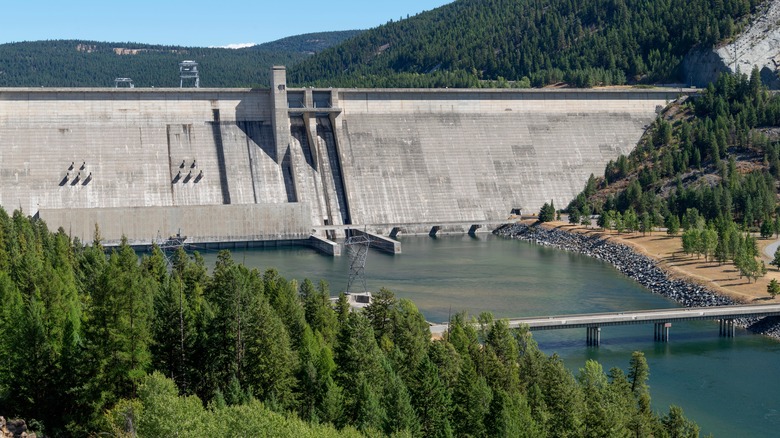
(95, 340)
(77, 63)
(529, 43)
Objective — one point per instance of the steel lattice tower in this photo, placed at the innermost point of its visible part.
(188, 70)
(357, 248)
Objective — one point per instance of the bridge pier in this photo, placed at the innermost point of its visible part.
(661, 331)
(727, 328)
(593, 336)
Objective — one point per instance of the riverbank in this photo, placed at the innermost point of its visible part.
(648, 262)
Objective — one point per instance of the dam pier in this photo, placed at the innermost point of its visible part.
(267, 167)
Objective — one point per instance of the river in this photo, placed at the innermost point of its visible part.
(727, 386)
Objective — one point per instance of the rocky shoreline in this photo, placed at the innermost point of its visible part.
(637, 266)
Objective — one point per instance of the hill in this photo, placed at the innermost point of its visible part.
(76, 63)
(709, 165)
(309, 43)
(538, 42)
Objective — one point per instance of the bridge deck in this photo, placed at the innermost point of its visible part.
(637, 317)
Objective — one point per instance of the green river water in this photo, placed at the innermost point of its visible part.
(728, 386)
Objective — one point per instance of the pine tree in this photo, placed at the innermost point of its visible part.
(471, 402)
(605, 414)
(511, 416)
(269, 359)
(773, 288)
(638, 374)
(562, 398)
(397, 403)
(677, 426)
(359, 362)
(174, 333)
(776, 260)
(118, 328)
(672, 224)
(368, 411)
(431, 401)
(410, 336)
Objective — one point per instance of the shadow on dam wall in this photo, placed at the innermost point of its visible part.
(216, 130)
(371, 158)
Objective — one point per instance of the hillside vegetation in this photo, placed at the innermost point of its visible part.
(74, 63)
(710, 165)
(533, 42)
(94, 342)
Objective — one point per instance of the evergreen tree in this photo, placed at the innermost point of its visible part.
(677, 426)
(638, 374)
(397, 403)
(547, 213)
(605, 414)
(431, 401)
(672, 224)
(269, 360)
(359, 362)
(118, 328)
(471, 402)
(511, 416)
(773, 288)
(369, 413)
(563, 400)
(585, 220)
(574, 216)
(776, 260)
(767, 229)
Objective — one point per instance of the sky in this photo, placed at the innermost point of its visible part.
(196, 22)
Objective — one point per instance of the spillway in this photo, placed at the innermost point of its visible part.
(155, 162)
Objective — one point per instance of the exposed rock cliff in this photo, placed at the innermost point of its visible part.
(758, 45)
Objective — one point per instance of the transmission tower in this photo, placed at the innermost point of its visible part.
(188, 70)
(357, 248)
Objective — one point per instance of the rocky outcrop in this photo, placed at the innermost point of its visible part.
(758, 45)
(14, 429)
(637, 266)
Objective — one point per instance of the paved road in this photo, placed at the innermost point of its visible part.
(770, 249)
(636, 317)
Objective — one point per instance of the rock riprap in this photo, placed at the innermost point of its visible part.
(639, 267)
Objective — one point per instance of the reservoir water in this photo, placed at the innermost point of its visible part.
(728, 386)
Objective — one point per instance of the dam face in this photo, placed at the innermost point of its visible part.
(260, 165)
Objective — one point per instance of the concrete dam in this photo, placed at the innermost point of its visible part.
(283, 164)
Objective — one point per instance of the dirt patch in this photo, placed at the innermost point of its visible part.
(667, 251)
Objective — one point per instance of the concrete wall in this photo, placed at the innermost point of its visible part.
(132, 143)
(145, 160)
(201, 224)
(441, 155)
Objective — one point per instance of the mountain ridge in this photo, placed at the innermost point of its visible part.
(85, 63)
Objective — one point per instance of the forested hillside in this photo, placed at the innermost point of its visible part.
(536, 42)
(710, 165)
(94, 343)
(307, 43)
(72, 63)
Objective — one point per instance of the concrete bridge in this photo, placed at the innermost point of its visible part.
(661, 319)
